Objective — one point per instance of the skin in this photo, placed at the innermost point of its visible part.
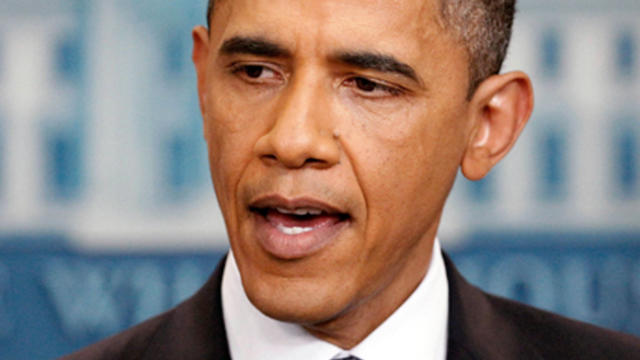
(309, 126)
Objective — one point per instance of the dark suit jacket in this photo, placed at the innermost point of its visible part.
(481, 326)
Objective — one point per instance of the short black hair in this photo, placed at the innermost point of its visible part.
(484, 29)
(482, 26)
(210, 12)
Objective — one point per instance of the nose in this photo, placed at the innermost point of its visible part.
(301, 132)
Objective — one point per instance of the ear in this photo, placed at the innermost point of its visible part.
(499, 110)
(200, 57)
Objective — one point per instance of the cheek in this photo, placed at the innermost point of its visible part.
(231, 130)
(393, 147)
(406, 163)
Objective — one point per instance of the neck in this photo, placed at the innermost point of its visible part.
(355, 323)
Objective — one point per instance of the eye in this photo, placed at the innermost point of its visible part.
(255, 73)
(365, 84)
(371, 88)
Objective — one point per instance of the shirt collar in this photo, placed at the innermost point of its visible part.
(416, 330)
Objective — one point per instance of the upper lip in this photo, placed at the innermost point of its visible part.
(278, 201)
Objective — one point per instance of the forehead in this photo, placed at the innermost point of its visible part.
(407, 27)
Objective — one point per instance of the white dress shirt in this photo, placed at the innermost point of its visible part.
(416, 330)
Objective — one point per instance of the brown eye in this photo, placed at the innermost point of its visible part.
(253, 71)
(371, 88)
(365, 85)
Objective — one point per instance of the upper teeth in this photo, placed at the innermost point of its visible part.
(300, 211)
(295, 230)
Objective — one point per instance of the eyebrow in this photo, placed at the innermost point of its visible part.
(259, 46)
(253, 46)
(377, 62)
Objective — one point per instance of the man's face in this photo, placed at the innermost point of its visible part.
(335, 129)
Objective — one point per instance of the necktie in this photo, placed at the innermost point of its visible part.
(350, 357)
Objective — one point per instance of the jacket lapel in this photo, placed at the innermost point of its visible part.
(477, 329)
(195, 329)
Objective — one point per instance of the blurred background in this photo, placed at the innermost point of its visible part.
(107, 214)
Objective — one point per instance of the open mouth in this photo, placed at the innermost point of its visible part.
(298, 221)
(297, 228)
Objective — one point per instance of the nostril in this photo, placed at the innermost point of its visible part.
(294, 147)
(269, 159)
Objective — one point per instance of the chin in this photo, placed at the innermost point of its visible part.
(298, 301)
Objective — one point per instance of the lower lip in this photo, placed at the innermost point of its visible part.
(289, 247)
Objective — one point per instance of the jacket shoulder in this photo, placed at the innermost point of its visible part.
(485, 326)
(558, 337)
(129, 344)
(194, 329)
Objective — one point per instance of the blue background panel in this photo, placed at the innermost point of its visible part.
(55, 301)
